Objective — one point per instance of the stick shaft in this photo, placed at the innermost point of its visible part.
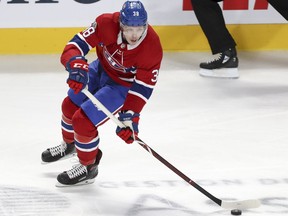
(100, 106)
(178, 172)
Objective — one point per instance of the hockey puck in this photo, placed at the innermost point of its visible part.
(236, 212)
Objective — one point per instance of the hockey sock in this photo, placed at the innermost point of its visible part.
(86, 138)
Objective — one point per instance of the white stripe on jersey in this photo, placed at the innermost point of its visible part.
(75, 44)
(138, 95)
(82, 38)
(127, 79)
(144, 84)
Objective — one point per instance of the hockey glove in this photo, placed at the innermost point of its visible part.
(78, 78)
(130, 120)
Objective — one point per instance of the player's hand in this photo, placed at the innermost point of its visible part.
(78, 78)
(130, 120)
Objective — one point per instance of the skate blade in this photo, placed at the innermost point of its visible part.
(86, 182)
(223, 73)
(63, 158)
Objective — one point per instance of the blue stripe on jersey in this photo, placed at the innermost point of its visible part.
(142, 90)
(82, 44)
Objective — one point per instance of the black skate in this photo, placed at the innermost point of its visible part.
(56, 153)
(79, 174)
(225, 66)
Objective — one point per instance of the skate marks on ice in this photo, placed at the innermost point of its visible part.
(175, 197)
(20, 201)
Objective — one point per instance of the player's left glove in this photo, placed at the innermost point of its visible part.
(131, 120)
(78, 78)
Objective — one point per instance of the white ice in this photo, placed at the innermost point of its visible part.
(229, 136)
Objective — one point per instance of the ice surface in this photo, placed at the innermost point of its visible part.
(229, 136)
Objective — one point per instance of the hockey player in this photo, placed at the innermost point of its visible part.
(211, 20)
(122, 79)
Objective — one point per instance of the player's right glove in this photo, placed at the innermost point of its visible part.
(78, 78)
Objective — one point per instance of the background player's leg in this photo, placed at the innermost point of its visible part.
(281, 6)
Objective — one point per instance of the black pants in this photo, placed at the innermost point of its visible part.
(211, 20)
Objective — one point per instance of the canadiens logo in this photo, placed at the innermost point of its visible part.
(116, 65)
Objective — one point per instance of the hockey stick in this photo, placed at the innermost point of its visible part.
(245, 204)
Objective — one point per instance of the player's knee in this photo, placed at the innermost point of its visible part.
(82, 124)
(68, 108)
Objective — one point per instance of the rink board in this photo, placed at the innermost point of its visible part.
(173, 38)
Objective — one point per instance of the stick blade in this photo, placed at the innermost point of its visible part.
(245, 204)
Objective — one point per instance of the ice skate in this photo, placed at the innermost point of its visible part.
(79, 174)
(60, 152)
(225, 66)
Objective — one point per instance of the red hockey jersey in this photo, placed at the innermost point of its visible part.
(136, 66)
